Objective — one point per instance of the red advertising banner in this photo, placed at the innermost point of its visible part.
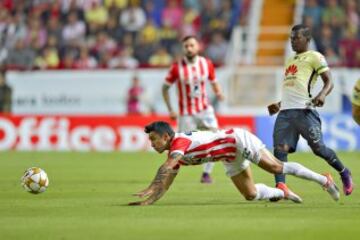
(87, 133)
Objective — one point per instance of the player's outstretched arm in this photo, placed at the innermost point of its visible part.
(163, 180)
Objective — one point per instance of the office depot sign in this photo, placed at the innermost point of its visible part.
(81, 133)
(72, 133)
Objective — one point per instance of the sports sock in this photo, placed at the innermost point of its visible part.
(299, 170)
(265, 192)
(282, 156)
(329, 156)
(208, 167)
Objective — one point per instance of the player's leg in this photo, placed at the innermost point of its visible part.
(311, 131)
(285, 137)
(272, 165)
(240, 173)
(245, 184)
(207, 120)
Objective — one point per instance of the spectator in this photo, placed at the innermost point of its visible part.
(313, 10)
(113, 30)
(125, 59)
(35, 32)
(68, 61)
(49, 59)
(161, 58)
(331, 57)
(152, 12)
(149, 33)
(21, 57)
(97, 14)
(217, 49)
(168, 36)
(350, 50)
(173, 14)
(143, 50)
(5, 94)
(134, 95)
(326, 39)
(191, 23)
(74, 31)
(119, 4)
(16, 29)
(54, 28)
(132, 19)
(352, 16)
(85, 61)
(104, 44)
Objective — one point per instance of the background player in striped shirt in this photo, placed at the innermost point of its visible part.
(297, 107)
(355, 99)
(236, 148)
(190, 75)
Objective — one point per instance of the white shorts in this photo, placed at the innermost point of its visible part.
(248, 150)
(202, 120)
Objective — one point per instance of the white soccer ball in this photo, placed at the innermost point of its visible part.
(35, 180)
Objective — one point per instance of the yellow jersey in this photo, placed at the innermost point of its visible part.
(355, 99)
(301, 73)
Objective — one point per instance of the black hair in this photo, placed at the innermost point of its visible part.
(189, 37)
(160, 127)
(304, 30)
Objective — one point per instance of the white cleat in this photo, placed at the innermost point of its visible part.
(331, 187)
(293, 197)
(288, 194)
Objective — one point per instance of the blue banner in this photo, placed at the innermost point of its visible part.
(340, 132)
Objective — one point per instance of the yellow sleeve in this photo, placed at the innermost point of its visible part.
(355, 99)
(319, 63)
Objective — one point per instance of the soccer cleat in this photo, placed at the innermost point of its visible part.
(331, 187)
(288, 194)
(206, 178)
(276, 199)
(347, 181)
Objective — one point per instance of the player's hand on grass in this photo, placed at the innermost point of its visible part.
(273, 108)
(319, 100)
(173, 115)
(143, 193)
(141, 203)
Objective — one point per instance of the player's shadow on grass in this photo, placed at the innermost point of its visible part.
(284, 204)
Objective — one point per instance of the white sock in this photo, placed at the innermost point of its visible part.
(208, 167)
(299, 170)
(265, 192)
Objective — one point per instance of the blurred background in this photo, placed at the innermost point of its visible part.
(82, 75)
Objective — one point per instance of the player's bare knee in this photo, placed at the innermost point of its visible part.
(284, 148)
(250, 196)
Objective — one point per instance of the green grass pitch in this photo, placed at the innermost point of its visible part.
(88, 193)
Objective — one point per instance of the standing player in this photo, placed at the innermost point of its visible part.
(356, 102)
(190, 75)
(297, 107)
(236, 148)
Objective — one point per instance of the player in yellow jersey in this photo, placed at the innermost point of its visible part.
(356, 102)
(297, 114)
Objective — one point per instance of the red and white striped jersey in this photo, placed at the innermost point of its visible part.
(190, 79)
(204, 146)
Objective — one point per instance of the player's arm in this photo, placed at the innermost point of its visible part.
(162, 181)
(217, 91)
(166, 97)
(274, 108)
(328, 86)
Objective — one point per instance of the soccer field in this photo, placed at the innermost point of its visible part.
(88, 194)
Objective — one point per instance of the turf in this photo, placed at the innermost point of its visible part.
(88, 194)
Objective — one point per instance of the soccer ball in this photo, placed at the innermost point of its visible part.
(35, 180)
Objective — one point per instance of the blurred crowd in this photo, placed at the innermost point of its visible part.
(335, 26)
(85, 34)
